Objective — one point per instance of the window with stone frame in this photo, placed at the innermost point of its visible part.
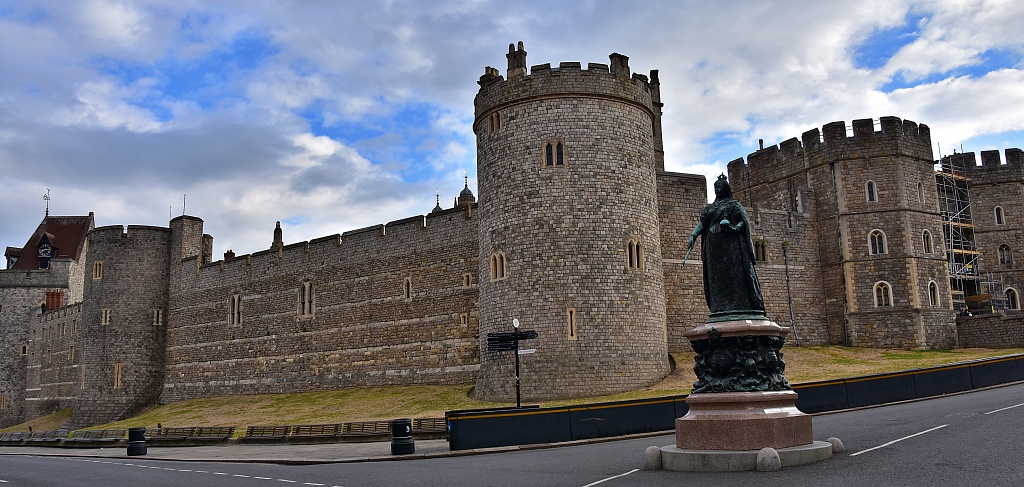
(920, 192)
(999, 215)
(1012, 298)
(71, 353)
(876, 242)
(926, 240)
(871, 192)
(498, 266)
(494, 122)
(761, 251)
(118, 377)
(635, 255)
(933, 294)
(158, 317)
(883, 294)
(24, 349)
(467, 280)
(97, 270)
(3, 402)
(235, 309)
(1005, 257)
(572, 329)
(105, 318)
(554, 153)
(407, 289)
(306, 299)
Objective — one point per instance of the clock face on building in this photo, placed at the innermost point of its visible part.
(45, 250)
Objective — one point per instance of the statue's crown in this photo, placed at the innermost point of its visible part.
(723, 177)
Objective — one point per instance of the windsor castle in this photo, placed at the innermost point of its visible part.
(861, 238)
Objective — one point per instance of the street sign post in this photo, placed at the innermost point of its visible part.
(510, 341)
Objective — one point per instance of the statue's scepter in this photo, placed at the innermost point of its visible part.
(688, 254)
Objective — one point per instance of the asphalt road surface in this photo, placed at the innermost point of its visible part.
(966, 440)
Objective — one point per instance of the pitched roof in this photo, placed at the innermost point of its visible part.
(65, 233)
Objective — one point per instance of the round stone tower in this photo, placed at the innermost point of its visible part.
(569, 239)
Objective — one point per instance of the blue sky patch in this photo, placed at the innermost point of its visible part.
(988, 61)
(882, 45)
(1000, 141)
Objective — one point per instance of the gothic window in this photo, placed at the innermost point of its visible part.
(407, 288)
(494, 122)
(235, 310)
(498, 269)
(870, 191)
(635, 255)
(97, 270)
(933, 294)
(760, 251)
(883, 294)
(999, 215)
(554, 153)
(570, 316)
(306, 299)
(1012, 300)
(926, 237)
(877, 242)
(1004, 255)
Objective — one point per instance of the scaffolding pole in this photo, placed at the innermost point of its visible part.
(954, 188)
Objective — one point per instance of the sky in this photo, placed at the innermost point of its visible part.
(334, 115)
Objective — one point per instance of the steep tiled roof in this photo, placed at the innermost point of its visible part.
(66, 234)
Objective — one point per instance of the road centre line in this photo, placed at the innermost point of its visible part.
(1004, 409)
(612, 477)
(883, 445)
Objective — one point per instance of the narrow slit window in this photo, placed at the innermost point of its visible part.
(82, 369)
(407, 288)
(24, 349)
(3, 402)
(630, 251)
(118, 369)
(235, 310)
(999, 215)
(97, 270)
(71, 353)
(306, 297)
(933, 294)
(920, 192)
(927, 240)
(570, 316)
(870, 190)
(158, 317)
(106, 316)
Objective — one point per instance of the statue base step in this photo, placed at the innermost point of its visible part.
(740, 421)
(680, 460)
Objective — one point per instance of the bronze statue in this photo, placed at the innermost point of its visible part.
(731, 288)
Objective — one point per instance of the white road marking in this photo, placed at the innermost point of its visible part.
(219, 473)
(613, 477)
(183, 470)
(286, 480)
(239, 475)
(1004, 409)
(311, 483)
(3, 481)
(263, 478)
(883, 445)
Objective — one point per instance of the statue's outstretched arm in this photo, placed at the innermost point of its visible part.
(693, 235)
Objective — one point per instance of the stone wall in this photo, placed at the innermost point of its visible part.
(680, 200)
(996, 183)
(564, 230)
(1000, 330)
(53, 377)
(122, 365)
(361, 331)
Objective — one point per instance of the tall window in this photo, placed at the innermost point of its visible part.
(97, 270)
(933, 294)
(1004, 255)
(570, 316)
(559, 157)
(760, 251)
(635, 254)
(1012, 300)
(549, 155)
(920, 192)
(883, 295)
(494, 122)
(3, 402)
(870, 191)
(158, 317)
(407, 288)
(927, 238)
(306, 296)
(71, 353)
(235, 310)
(106, 316)
(117, 375)
(999, 215)
(877, 241)
(498, 269)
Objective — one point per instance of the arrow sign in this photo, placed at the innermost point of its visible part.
(528, 350)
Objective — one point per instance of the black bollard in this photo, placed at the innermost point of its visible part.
(401, 437)
(136, 441)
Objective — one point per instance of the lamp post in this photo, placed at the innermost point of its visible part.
(789, 293)
(515, 324)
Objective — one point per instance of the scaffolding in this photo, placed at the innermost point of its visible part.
(954, 188)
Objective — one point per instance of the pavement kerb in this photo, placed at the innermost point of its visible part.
(460, 453)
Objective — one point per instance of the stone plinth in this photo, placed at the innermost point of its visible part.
(743, 421)
(679, 460)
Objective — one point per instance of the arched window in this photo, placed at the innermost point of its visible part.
(1004, 255)
(999, 215)
(870, 191)
(549, 156)
(877, 242)
(927, 238)
(883, 294)
(760, 251)
(920, 192)
(560, 158)
(407, 288)
(497, 266)
(1012, 300)
(933, 294)
(635, 253)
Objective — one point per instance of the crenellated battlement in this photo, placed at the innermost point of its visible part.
(994, 169)
(612, 81)
(834, 141)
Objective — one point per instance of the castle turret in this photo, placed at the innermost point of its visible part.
(569, 235)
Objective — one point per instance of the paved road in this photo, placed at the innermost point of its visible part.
(966, 440)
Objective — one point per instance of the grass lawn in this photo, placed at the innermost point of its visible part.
(803, 364)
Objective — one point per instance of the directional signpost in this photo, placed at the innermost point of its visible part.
(510, 341)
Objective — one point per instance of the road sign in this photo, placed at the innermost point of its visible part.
(528, 350)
